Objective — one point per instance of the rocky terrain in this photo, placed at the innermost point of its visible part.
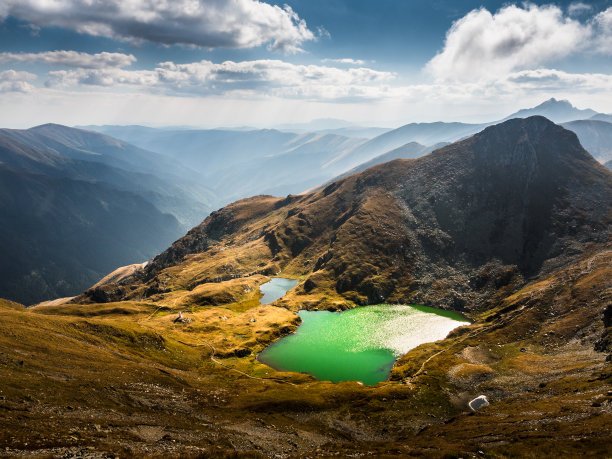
(511, 226)
(453, 229)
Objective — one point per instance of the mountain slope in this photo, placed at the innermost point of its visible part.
(253, 162)
(453, 228)
(123, 379)
(523, 197)
(87, 155)
(409, 151)
(558, 111)
(58, 235)
(602, 117)
(423, 133)
(76, 204)
(595, 136)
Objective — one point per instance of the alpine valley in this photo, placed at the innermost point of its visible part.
(154, 351)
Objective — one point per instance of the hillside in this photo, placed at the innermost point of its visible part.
(595, 136)
(602, 117)
(511, 226)
(409, 151)
(448, 229)
(58, 235)
(77, 204)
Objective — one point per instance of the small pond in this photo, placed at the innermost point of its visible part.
(276, 289)
(360, 344)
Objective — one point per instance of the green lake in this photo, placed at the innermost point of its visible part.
(275, 289)
(360, 344)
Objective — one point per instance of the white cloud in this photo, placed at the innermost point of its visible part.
(578, 8)
(101, 77)
(13, 81)
(602, 27)
(346, 61)
(202, 23)
(551, 79)
(257, 77)
(72, 59)
(482, 45)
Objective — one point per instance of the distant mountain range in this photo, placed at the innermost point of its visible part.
(602, 117)
(558, 111)
(408, 151)
(60, 151)
(185, 174)
(452, 228)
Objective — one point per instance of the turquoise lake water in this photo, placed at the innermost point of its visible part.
(275, 289)
(360, 344)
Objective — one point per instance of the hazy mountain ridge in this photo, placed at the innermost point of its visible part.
(558, 111)
(602, 117)
(356, 131)
(68, 220)
(595, 136)
(408, 151)
(253, 162)
(59, 235)
(90, 156)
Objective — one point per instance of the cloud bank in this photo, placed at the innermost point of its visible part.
(72, 59)
(201, 23)
(247, 77)
(482, 45)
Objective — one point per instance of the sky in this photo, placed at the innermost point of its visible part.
(210, 63)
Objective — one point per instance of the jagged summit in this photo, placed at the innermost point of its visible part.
(559, 111)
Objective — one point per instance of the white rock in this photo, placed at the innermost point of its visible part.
(479, 402)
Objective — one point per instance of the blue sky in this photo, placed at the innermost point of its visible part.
(237, 62)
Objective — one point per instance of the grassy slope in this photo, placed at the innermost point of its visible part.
(124, 378)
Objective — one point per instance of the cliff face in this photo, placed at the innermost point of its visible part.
(456, 228)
